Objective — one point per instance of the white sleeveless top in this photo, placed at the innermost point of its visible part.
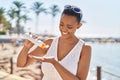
(70, 61)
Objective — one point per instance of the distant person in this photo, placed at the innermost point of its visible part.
(70, 55)
(2, 45)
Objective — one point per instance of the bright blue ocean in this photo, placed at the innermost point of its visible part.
(108, 57)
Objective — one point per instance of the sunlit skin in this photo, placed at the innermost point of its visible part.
(68, 25)
(67, 40)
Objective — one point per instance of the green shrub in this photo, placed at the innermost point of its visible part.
(2, 32)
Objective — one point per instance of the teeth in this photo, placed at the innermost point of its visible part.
(64, 32)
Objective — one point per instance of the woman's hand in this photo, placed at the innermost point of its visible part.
(28, 44)
(50, 59)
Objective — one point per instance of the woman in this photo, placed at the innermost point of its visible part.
(70, 55)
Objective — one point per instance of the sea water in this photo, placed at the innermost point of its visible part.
(106, 55)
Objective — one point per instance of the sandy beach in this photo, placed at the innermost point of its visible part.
(8, 52)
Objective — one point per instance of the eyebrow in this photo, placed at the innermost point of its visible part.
(67, 24)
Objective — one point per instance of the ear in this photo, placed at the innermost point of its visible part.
(79, 25)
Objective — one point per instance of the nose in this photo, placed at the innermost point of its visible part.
(63, 28)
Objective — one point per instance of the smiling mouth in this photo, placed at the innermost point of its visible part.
(64, 33)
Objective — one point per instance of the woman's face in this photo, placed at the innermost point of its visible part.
(68, 25)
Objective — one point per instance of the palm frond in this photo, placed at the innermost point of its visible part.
(54, 9)
(2, 10)
(37, 8)
(19, 5)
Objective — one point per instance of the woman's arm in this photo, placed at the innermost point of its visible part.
(64, 73)
(84, 62)
(23, 57)
(83, 66)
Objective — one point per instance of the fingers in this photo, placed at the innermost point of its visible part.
(34, 36)
(29, 42)
(42, 59)
(36, 57)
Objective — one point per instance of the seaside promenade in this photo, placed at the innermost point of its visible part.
(8, 68)
(11, 51)
(7, 76)
(7, 38)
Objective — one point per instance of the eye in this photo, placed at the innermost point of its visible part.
(69, 27)
(61, 24)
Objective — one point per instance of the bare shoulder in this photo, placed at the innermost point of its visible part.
(86, 50)
(87, 47)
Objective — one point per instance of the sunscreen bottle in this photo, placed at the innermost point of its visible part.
(36, 41)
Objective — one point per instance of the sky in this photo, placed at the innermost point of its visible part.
(101, 16)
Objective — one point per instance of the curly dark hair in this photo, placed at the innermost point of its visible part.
(73, 13)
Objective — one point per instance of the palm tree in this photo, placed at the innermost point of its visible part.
(19, 6)
(54, 10)
(3, 22)
(37, 8)
(11, 15)
(25, 18)
(2, 10)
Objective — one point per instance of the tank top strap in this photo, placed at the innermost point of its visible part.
(77, 51)
(52, 50)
